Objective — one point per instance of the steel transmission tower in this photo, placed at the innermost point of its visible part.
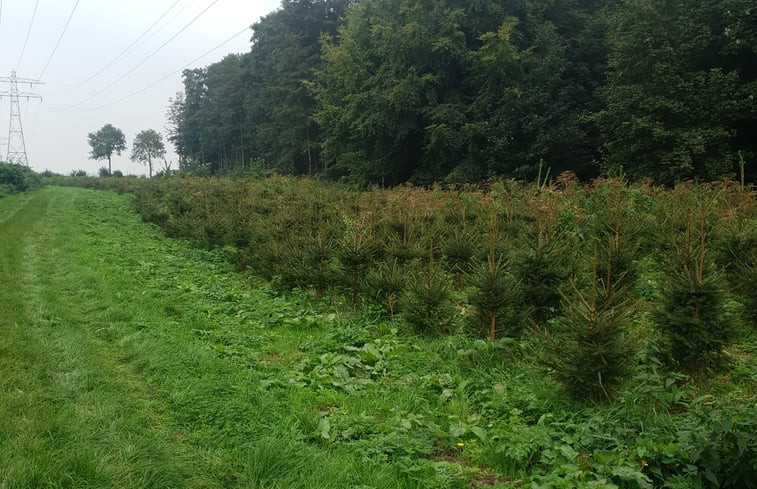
(16, 145)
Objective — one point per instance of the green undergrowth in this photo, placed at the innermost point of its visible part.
(17, 178)
(133, 360)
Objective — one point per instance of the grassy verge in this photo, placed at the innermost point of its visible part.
(130, 360)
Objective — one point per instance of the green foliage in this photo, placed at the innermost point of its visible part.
(459, 250)
(256, 107)
(496, 295)
(619, 221)
(542, 263)
(495, 299)
(427, 302)
(279, 106)
(105, 142)
(17, 178)
(210, 116)
(587, 349)
(678, 95)
(691, 313)
(736, 254)
(152, 361)
(383, 92)
(422, 91)
(709, 448)
(356, 252)
(148, 146)
(693, 319)
(386, 283)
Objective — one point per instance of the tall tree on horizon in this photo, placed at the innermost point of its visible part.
(148, 146)
(173, 126)
(279, 106)
(104, 142)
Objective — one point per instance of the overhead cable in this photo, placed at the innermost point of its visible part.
(143, 89)
(28, 32)
(165, 24)
(145, 59)
(122, 53)
(59, 40)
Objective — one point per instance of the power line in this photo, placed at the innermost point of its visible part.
(28, 33)
(65, 28)
(168, 75)
(144, 60)
(122, 53)
(166, 23)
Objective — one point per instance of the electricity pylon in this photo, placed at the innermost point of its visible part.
(16, 144)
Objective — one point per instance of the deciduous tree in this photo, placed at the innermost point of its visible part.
(106, 141)
(680, 93)
(148, 146)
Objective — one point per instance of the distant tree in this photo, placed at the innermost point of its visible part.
(257, 106)
(148, 145)
(106, 141)
(174, 119)
(279, 107)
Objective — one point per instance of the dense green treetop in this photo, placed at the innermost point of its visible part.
(278, 105)
(389, 91)
(106, 141)
(680, 100)
(148, 146)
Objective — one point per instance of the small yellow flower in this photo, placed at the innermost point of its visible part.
(460, 445)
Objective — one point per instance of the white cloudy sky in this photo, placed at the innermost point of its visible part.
(56, 129)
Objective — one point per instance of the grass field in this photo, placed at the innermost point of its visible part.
(128, 360)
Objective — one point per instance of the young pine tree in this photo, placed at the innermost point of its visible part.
(542, 265)
(690, 314)
(427, 302)
(495, 294)
(589, 351)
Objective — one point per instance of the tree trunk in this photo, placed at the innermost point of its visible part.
(310, 157)
(492, 326)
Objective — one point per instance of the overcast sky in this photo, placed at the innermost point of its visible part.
(56, 129)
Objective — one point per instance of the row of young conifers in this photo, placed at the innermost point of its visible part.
(583, 270)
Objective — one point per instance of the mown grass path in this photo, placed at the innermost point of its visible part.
(131, 361)
(103, 379)
(71, 413)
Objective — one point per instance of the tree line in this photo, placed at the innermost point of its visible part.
(147, 148)
(391, 91)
